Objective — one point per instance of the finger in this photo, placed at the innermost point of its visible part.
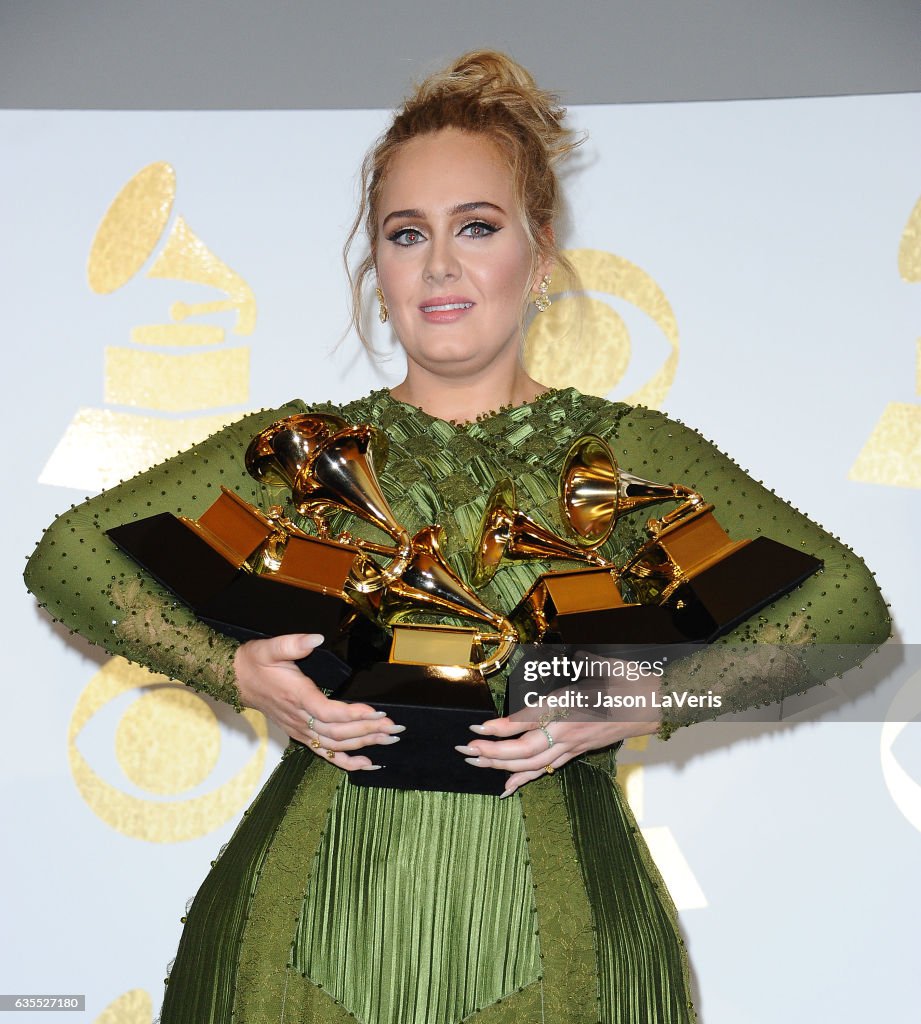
(288, 647)
(518, 779)
(518, 764)
(363, 728)
(347, 762)
(351, 743)
(342, 711)
(531, 744)
(534, 762)
(502, 727)
(303, 726)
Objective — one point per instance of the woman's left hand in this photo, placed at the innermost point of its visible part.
(529, 754)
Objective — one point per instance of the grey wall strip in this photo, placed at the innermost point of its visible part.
(205, 54)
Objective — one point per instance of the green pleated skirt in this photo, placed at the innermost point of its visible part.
(334, 903)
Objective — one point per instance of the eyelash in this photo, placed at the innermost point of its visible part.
(491, 229)
(401, 233)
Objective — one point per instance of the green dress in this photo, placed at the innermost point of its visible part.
(334, 902)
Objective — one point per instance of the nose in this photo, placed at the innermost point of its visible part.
(441, 262)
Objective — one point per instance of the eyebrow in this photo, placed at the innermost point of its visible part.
(477, 204)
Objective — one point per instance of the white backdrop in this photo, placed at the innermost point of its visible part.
(773, 228)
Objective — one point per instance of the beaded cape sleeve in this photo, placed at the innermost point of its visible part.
(824, 627)
(84, 581)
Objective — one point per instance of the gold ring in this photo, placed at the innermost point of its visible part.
(315, 743)
(549, 769)
(310, 722)
(330, 754)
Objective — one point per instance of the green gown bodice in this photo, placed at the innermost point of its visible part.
(334, 902)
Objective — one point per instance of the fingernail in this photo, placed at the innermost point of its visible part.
(390, 739)
(372, 768)
(465, 750)
(379, 714)
(397, 728)
(508, 792)
(482, 730)
(477, 762)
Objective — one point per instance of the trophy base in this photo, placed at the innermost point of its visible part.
(235, 602)
(715, 601)
(437, 704)
(584, 606)
(175, 556)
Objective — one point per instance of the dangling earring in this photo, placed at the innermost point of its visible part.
(383, 312)
(542, 300)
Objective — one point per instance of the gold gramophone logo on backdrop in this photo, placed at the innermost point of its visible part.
(168, 739)
(598, 359)
(892, 454)
(133, 1007)
(103, 446)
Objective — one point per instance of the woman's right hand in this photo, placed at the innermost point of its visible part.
(270, 682)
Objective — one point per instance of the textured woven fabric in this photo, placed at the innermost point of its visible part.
(334, 902)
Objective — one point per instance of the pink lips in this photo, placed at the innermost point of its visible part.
(445, 309)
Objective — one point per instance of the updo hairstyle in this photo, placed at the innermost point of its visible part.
(490, 94)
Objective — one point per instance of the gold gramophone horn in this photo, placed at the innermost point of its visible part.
(329, 465)
(595, 493)
(278, 453)
(428, 585)
(341, 474)
(506, 532)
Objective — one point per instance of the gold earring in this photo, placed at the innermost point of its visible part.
(542, 300)
(383, 312)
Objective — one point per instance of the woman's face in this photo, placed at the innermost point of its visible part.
(453, 259)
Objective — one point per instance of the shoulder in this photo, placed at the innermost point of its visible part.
(239, 432)
(649, 442)
(613, 419)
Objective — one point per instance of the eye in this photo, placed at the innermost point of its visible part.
(479, 229)
(406, 236)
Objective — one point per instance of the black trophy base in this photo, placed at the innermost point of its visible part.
(237, 603)
(437, 704)
(585, 607)
(631, 625)
(176, 557)
(710, 604)
(721, 597)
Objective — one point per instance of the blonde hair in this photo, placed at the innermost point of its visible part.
(490, 94)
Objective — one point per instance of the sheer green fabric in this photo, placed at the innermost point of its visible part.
(333, 902)
(84, 581)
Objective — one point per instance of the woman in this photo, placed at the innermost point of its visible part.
(335, 902)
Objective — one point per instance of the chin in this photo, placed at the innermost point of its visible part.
(444, 356)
